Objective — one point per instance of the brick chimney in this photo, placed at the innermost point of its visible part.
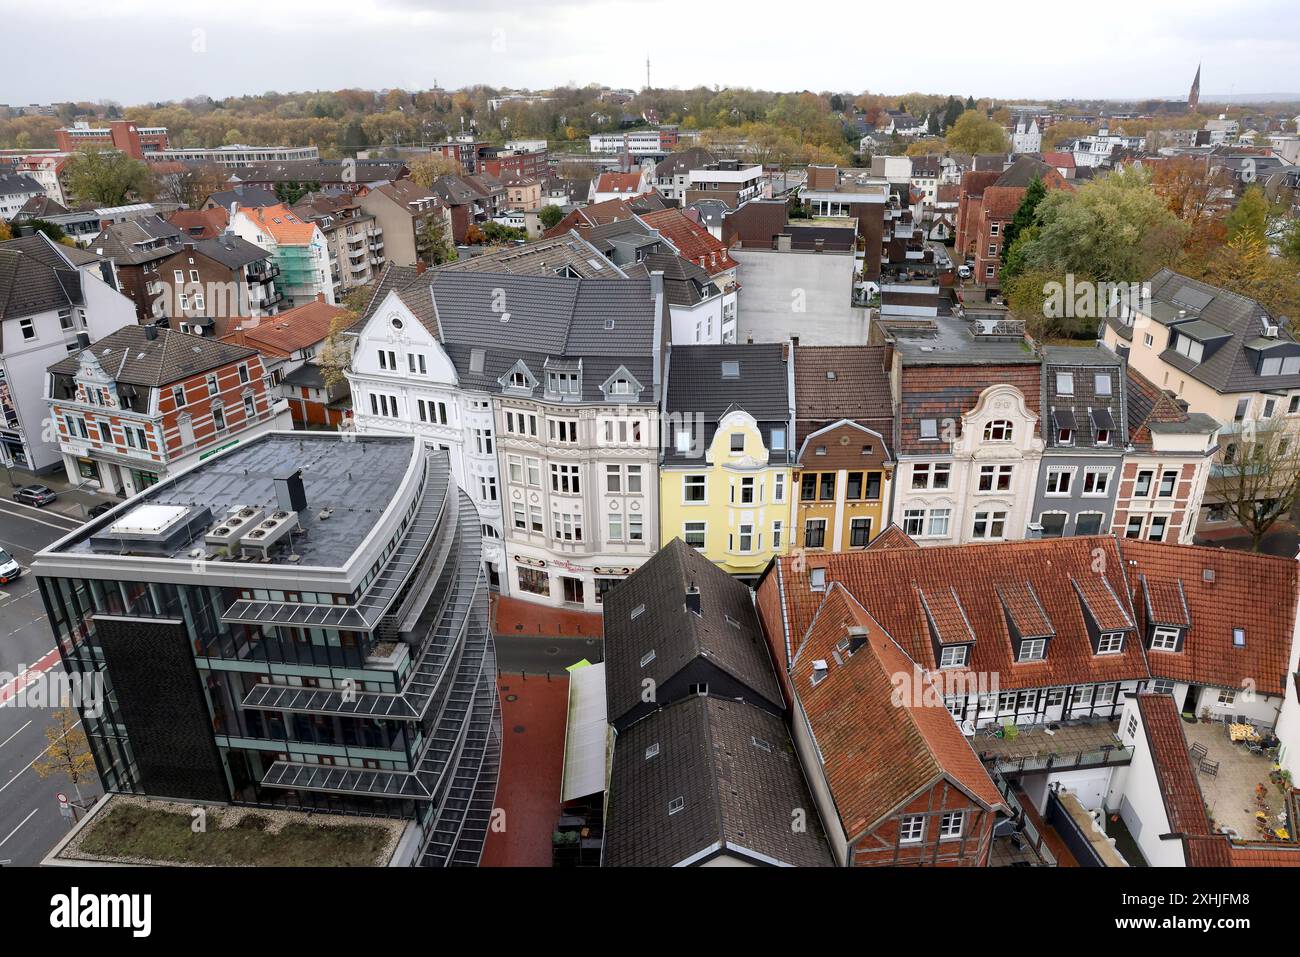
(420, 267)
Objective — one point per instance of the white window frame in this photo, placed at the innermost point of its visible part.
(1110, 643)
(1165, 639)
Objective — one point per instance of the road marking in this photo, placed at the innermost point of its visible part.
(34, 760)
(15, 686)
(76, 523)
(15, 734)
(20, 824)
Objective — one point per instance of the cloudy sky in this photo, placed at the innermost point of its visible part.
(135, 51)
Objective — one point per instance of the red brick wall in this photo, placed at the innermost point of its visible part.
(880, 848)
(1182, 494)
(198, 404)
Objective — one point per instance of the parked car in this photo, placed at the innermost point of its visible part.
(964, 271)
(9, 568)
(37, 495)
(100, 509)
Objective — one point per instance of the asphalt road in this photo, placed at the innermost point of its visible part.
(30, 822)
(539, 656)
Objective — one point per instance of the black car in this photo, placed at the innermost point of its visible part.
(37, 495)
(100, 509)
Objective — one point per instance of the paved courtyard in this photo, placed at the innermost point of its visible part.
(1230, 794)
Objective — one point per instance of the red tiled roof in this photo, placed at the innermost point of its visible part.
(1258, 593)
(201, 223)
(877, 755)
(948, 391)
(628, 183)
(286, 333)
(281, 223)
(891, 537)
(885, 583)
(1184, 803)
(1059, 160)
(692, 240)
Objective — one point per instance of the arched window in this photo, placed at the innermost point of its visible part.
(998, 430)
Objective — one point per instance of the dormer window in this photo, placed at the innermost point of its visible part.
(1164, 639)
(1110, 643)
(518, 380)
(1065, 383)
(620, 387)
(1032, 649)
(1065, 436)
(1103, 436)
(953, 656)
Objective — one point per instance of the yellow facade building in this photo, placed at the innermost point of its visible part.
(725, 479)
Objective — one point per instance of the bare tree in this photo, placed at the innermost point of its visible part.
(1258, 478)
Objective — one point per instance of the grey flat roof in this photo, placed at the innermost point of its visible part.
(950, 342)
(354, 478)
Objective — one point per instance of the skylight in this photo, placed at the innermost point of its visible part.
(731, 369)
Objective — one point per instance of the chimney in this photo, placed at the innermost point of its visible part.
(657, 283)
(320, 297)
(83, 340)
(151, 332)
(420, 267)
(794, 341)
(693, 598)
(289, 492)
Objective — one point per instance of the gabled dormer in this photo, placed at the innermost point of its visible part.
(1168, 618)
(622, 386)
(1107, 621)
(519, 380)
(1028, 626)
(951, 634)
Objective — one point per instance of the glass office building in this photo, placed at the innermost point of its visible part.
(299, 622)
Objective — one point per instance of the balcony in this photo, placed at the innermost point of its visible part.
(1055, 746)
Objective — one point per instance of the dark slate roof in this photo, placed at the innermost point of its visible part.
(1148, 409)
(12, 184)
(41, 207)
(544, 257)
(697, 157)
(734, 770)
(550, 317)
(129, 242)
(231, 251)
(685, 283)
(34, 278)
(1085, 363)
(245, 196)
(696, 385)
(454, 191)
(317, 171)
(677, 636)
(130, 357)
(1231, 367)
(1023, 172)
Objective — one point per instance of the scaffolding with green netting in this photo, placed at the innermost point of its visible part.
(296, 266)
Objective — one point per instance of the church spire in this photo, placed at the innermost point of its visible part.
(1194, 97)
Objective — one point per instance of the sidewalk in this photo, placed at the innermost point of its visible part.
(514, 617)
(73, 501)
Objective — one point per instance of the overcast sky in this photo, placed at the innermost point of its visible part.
(137, 51)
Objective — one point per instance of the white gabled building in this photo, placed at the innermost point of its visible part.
(403, 382)
(544, 390)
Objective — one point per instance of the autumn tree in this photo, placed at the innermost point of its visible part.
(1258, 478)
(1243, 265)
(1114, 229)
(975, 133)
(67, 753)
(108, 177)
(1058, 134)
(427, 170)
(1250, 216)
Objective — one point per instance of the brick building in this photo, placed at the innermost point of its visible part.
(988, 202)
(134, 141)
(144, 403)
